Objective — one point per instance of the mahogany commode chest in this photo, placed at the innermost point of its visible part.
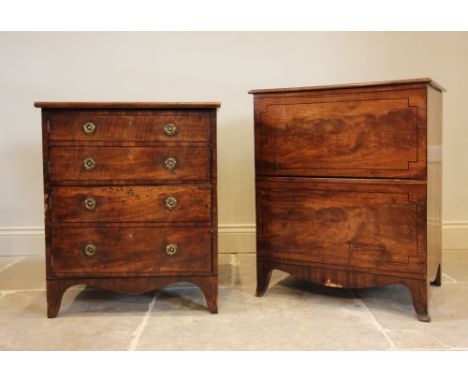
(348, 185)
(130, 197)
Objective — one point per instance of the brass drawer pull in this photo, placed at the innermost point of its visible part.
(171, 249)
(90, 250)
(170, 129)
(90, 203)
(170, 163)
(89, 128)
(171, 202)
(89, 164)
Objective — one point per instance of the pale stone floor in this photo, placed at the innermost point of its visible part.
(293, 314)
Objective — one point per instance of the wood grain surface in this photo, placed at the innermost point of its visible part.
(130, 250)
(131, 204)
(130, 126)
(362, 136)
(129, 163)
(126, 105)
(129, 223)
(378, 228)
(394, 83)
(346, 195)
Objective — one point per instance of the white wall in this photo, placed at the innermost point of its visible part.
(211, 67)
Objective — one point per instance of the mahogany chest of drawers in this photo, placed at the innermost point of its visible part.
(348, 185)
(130, 197)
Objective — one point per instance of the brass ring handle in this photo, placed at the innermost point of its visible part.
(90, 250)
(170, 129)
(170, 163)
(171, 202)
(171, 249)
(90, 203)
(89, 164)
(89, 128)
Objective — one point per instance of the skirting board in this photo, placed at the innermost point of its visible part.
(233, 238)
(236, 238)
(27, 241)
(455, 235)
(21, 241)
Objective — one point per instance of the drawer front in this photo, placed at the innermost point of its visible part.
(129, 163)
(131, 204)
(136, 126)
(99, 251)
(350, 225)
(370, 135)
